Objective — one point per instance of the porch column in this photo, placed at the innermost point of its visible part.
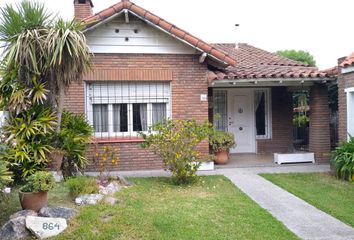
(320, 142)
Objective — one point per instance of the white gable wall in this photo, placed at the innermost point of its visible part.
(117, 36)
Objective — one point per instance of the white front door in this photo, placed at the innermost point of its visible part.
(241, 120)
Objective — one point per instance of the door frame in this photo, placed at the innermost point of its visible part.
(230, 97)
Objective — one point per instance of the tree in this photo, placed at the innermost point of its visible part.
(298, 55)
(54, 52)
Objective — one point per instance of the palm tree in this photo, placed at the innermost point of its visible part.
(53, 52)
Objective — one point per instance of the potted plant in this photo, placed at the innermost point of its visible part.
(34, 194)
(220, 143)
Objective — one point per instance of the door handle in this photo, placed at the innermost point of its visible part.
(240, 128)
(230, 123)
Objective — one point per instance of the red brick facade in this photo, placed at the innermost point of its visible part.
(82, 10)
(188, 83)
(282, 128)
(320, 142)
(344, 81)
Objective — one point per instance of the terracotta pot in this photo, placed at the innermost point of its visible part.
(222, 157)
(33, 200)
(56, 159)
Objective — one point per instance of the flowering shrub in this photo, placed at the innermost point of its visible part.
(176, 142)
(105, 159)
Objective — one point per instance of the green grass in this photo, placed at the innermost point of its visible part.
(212, 208)
(322, 190)
(154, 208)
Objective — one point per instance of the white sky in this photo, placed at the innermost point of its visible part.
(324, 28)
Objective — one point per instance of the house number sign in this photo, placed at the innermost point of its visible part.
(50, 226)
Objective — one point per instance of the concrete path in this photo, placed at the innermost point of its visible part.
(301, 218)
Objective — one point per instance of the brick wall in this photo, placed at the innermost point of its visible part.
(319, 137)
(344, 81)
(282, 135)
(188, 82)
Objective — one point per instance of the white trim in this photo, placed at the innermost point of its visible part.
(350, 112)
(351, 89)
(347, 69)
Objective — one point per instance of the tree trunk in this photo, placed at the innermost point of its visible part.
(60, 106)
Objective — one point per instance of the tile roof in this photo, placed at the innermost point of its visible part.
(255, 63)
(349, 61)
(170, 28)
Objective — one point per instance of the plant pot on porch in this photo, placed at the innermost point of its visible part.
(33, 200)
(222, 157)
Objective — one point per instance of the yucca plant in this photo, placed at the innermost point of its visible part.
(343, 160)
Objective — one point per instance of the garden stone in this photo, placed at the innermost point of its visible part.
(111, 189)
(23, 213)
(58, 176)
(110, 201)
(124, 181)
(88, 199)
(58, 212)
(43, 227)
(14, 229)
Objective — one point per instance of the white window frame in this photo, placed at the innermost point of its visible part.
(268, 105)
(350, 111)
(130, 132)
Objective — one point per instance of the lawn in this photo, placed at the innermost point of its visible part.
(154, 208)
(322, 190)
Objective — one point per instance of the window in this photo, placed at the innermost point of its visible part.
(220, 109)
(262, 113)
(350, 112)
(125, 108)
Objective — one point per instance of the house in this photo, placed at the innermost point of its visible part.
(147, 69)
(346, 97)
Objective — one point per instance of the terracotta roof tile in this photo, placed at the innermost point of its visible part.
(256, 63)
(179, 33)
(349, 61)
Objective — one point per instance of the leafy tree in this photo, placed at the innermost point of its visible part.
(298, 55)
(37, 46)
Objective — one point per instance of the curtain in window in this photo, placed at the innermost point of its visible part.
(158, 112)
(220, 110)
(143, 116)
(100, 117)
(116, 117)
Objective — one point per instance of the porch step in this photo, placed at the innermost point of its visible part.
(294, 157)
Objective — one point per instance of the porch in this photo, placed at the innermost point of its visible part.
(246, 160)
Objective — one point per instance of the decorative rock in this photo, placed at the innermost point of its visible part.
(14, 229)
(125, 181)
(111, 189)
(57, 212)
(110, 201)
(45, 227)
(23, 213)
(58, 176)
(88, 199)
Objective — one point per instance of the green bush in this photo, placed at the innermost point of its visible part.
(176, 142)
(343, 160)
(5, 175)
(221, 141)
(82, 185)
(40, 181)
(27, 138)
(75, 135)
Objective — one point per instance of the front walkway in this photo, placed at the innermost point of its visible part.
(301, 218)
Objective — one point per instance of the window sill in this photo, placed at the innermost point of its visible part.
(118, 140)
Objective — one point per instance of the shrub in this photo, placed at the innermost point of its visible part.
(5, 178)
(82, 185)
(221, 141)
(41, 181)
(176, 142)
(75, 135)
(343, 160)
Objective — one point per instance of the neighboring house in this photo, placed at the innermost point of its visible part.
(147, 69)
(346, 97)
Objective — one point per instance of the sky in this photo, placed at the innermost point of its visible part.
(323, 28)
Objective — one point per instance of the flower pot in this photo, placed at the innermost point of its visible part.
(222, 157)
(56, 159)
(33, 200)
